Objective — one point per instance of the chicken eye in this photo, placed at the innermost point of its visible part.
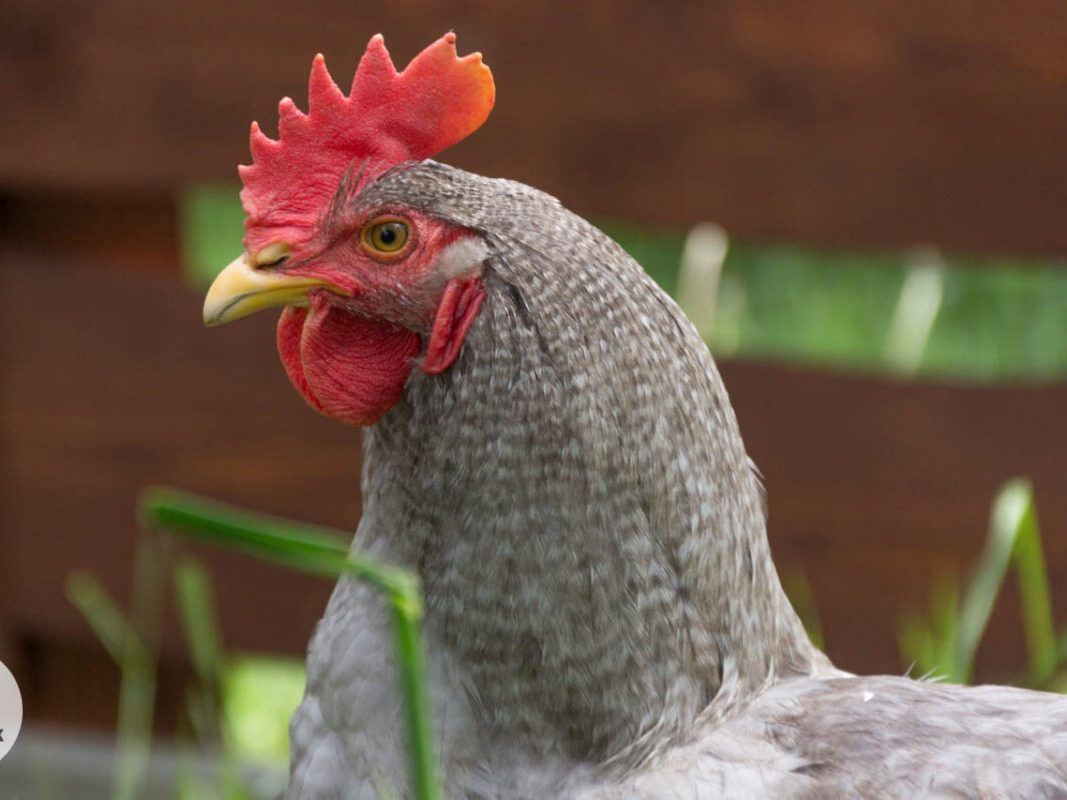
(387, 236)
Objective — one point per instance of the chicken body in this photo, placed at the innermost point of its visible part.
(603, 617)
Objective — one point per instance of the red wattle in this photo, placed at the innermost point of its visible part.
(349, 367)
(290, 328)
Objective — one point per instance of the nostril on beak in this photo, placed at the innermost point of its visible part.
(271, 256)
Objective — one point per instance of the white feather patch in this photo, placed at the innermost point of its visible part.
(462, 257)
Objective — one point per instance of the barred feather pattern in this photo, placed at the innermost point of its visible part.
(603, 615)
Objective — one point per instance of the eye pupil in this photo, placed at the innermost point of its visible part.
(387, 235)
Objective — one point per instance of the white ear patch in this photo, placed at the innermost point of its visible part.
(462, 257)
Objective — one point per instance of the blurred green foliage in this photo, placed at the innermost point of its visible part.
(237, 708)
(260, 694)
(798, 590)
(943, 642)
(211, 225)
(999, 319)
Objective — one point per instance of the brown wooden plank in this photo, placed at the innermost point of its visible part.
(106, 230)
(66, 682)
(861, 123)
(877, 488)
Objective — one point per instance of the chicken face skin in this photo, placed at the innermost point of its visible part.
(362, 304)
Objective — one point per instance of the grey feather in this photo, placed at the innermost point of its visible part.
(603, 615)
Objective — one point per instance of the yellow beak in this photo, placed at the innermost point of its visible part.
(240, 290)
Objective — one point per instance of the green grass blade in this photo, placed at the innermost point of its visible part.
(946, 641)
(798, 591)
(321, 551)
(411, 656)
(917, 308)
(308, 548)
(927, 643)
(1009, 509)
(1035, 596)
(945, 614)
(103, 614)
(132, 644)
(196, 612)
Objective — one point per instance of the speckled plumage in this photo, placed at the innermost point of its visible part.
(603, 616)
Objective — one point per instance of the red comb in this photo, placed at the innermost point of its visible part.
(387, 118)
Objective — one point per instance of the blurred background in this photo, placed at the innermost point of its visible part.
(860, 203)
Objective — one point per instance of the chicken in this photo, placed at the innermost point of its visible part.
(549, 444)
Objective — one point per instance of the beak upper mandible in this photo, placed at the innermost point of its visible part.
(240, 290)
